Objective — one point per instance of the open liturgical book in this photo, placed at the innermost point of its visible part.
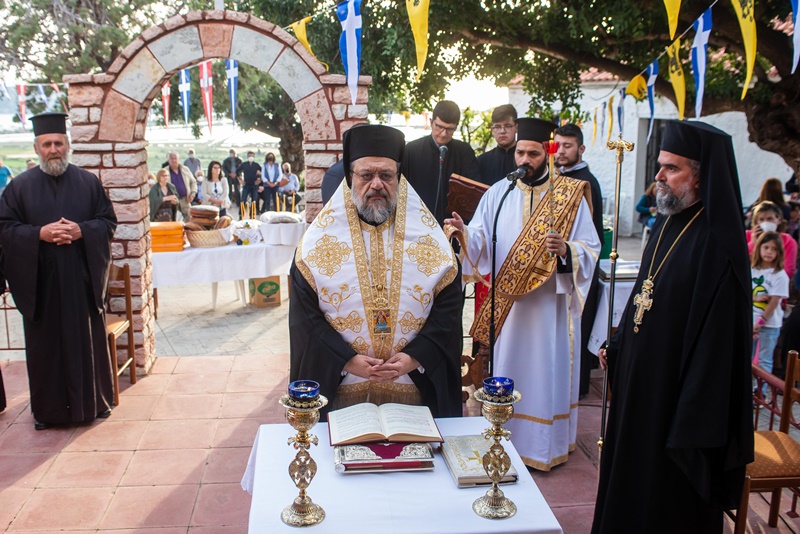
(366, 422)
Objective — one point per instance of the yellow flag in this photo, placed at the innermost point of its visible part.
(637, 88)
(744, 12)
(594, 126)
(673, 10)
(418, 17)
(299, 29)
(610, 118)
(676, 77)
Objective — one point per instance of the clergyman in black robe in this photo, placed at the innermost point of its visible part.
(422, 156)
(318, 350)
(680, 427)
(55, 231)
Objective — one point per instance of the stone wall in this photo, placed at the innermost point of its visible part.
(109, 112)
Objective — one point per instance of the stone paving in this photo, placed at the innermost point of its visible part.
(170, 457)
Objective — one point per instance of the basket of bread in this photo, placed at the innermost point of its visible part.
(218, 234)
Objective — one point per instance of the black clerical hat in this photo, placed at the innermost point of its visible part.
(683, 139)
(534, 129)
(372, 140)
(46, 123)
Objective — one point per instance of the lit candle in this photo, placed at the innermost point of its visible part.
(498, 386)
(304, 390)
(277, 202)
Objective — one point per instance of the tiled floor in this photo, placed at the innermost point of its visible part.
(170, 457)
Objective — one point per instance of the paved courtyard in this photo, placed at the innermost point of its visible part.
(170, 457)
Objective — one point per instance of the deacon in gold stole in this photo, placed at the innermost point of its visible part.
(547, 248)
(375, 307)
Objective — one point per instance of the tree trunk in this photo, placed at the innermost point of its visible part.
(774, 124)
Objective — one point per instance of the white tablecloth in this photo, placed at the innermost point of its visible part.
(414, 503)
(217, 264)
(282, 233)
(600, 328)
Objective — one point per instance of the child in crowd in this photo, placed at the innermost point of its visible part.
(770, 285)
(767, 217)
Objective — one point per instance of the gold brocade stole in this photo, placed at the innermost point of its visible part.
(528, 265)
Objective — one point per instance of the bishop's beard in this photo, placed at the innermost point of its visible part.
(376, 206)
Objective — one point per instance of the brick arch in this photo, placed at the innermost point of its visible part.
(109, 113)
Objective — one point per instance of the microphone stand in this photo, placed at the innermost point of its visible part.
(511, 187)
(618, 145)
(442, 152)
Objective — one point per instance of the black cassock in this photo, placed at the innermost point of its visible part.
(680, 428)
(496, 164)
(59, 289)
(421, 169)
(319, 353)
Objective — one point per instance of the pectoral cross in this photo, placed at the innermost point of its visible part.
(643, 303)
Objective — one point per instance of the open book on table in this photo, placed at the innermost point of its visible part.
(366, 422)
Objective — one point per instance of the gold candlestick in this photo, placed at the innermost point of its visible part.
(302, 415)
(496, 462)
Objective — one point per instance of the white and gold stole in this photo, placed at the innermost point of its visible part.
(376, 284)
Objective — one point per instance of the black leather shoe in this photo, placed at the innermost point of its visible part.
(104, 414)
(38, 425)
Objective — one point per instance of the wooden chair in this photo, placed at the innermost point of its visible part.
(116, 325)
(777, 455)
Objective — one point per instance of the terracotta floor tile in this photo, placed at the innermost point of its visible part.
(16, 406)
(253, 363)
(572, 483)
(221, 504)
(107, 436)
(151, 506)
(193, 384)
(197, 434)
(575, 519)
(226, 465)
(233, 529)
(72, 508)
(21, 437)
(188, 407)
(250, 381)
(166, 530)
(164, 364)
(166, 467)
(86, 469)
(253, 405)
(146, 385)
(134, 408)
(24, 470)
(12, 499)
(204, 364)
(236, 432)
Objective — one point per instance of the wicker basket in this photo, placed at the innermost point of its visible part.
(207, 239)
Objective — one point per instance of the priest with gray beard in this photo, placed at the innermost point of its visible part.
(56, 226)
(375, 306)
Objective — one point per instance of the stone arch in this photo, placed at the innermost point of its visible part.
(109, 112)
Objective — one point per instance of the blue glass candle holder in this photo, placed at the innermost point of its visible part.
(498, 386)
(304, 390)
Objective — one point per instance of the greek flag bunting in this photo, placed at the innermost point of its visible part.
(183, 89)
(621, 110)
(165, 102)
(652, 76)
(349, 14)
(232, 72)
(207, 91)
(702, 28)
(796, 36)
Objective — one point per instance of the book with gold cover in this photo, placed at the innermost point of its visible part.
(463, 196)
(464, 457)
(382, 457)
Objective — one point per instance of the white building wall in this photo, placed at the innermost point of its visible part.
(754, 165)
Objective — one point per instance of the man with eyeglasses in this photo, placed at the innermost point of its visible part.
(375, 306)
(422, 159)
(495, 164)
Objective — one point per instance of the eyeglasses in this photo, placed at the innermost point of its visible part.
(444, 129)
(367, 177)
(502, 127)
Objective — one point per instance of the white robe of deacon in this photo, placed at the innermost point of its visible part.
(539, 345)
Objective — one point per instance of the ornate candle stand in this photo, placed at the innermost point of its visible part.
(497, 407)
(302, 412)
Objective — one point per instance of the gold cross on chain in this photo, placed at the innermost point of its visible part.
(643, 302)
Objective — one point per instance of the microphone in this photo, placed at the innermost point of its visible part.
(519, 173)
(442, 153)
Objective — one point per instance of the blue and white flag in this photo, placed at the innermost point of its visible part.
(702, 28)
(652, 75)
(603, 120)
(183, 89)
(232, 71)
(349, 13)
(796, 36)
(621, 109)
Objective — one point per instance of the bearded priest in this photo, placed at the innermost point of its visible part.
(375, 307)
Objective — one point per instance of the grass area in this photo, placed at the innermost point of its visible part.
(15, 154)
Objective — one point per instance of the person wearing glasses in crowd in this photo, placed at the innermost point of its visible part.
(422, 159)
(495, 164)
(375, 306)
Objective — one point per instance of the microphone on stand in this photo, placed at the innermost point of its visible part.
(442, 154)
(519, 173)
